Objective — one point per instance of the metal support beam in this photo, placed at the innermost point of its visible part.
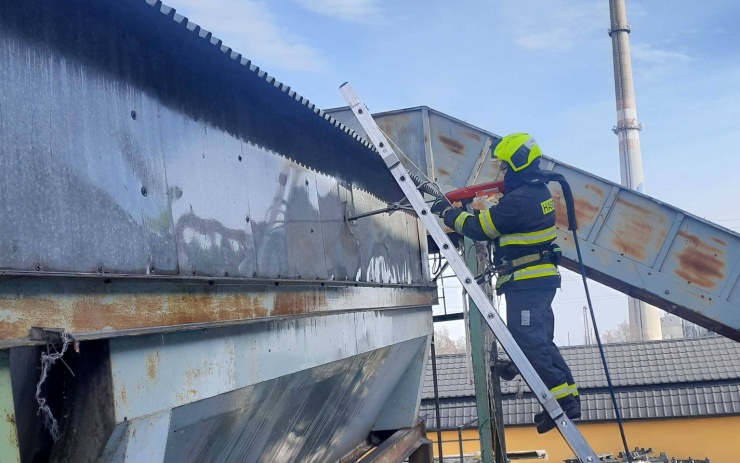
(478, 353)
(400, 446)
(9, 449)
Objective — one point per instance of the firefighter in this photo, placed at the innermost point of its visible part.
(522, 228)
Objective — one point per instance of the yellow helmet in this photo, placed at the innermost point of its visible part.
(518, 150)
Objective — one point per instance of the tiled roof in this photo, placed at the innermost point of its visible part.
(658, 379)
(646, 404)
(630, 364)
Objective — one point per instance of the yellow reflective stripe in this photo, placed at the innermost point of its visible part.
(534, 237)
(535, 271)
(560, 391)
(460, 221)
(487, 224)
(573, 390)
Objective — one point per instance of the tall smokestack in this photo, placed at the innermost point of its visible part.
(644, 318)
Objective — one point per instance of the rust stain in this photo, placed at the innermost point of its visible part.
(718, 241)
(472, 135)
(13, 435)
(637, 230)
(152, 365)
(298, 303)
(585, 211)
(88, 313)
(596, 189)
(122, 395)
(130, 311)
(699, 263)
(452, 145)
(443, 172)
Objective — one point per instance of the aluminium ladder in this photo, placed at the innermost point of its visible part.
(566, 427)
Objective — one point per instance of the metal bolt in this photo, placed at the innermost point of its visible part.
(544, 395)
(151, 269)
(247, 219)
(240, 158)
(467, 281)
(490, 314)
(667, 292)
(133, 115)
(144, 192)
(445, 246)
(359, 111)
(100, 269)
(423, 212)
(38, 266)
(589, 459)
(403, 178)
(254, 274)
(381, 144)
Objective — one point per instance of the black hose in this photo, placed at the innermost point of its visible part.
(573, 226)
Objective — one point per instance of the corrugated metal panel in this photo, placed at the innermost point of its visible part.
(172, 159)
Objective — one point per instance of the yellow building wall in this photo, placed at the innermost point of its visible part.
(716, 438)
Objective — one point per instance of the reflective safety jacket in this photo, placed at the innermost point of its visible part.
(522, 228)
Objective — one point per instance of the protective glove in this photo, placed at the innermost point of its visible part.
(440, 206)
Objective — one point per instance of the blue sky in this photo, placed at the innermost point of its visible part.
(539, 66)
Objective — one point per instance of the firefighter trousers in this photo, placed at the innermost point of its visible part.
(531, 321)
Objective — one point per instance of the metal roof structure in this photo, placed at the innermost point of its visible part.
(653, 380)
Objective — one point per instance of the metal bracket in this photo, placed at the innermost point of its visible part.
(390, 209)
(47, 335)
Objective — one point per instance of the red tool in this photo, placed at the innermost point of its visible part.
(469, 193)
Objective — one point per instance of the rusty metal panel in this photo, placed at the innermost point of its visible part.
(590, 194)
(156, 372)
(312, 415)
(630, 242)
(702, 255)
(406, 129)
(457, 148)
(635, 228)
(105, 308)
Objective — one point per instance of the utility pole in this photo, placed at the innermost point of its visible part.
(644, 318)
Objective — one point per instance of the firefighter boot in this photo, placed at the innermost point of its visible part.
(569, 405)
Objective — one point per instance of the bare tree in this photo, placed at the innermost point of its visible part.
(444, 344)
(619, 334)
